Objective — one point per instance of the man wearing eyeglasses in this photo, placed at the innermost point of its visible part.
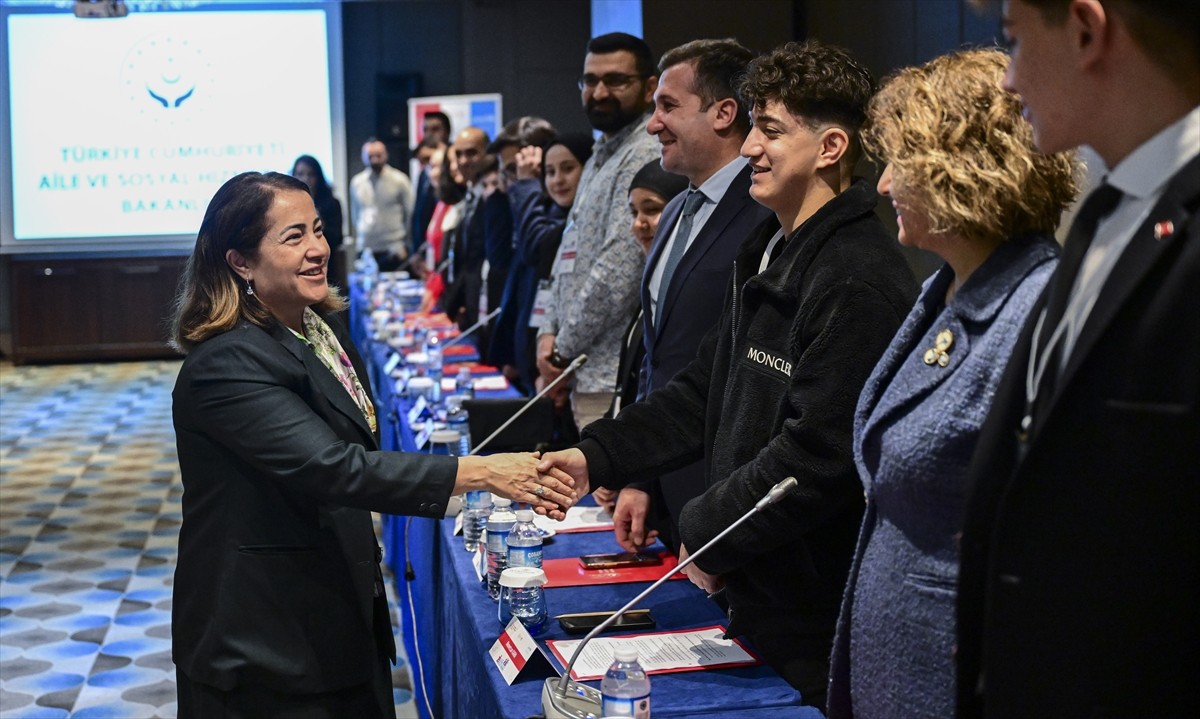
(598, 270)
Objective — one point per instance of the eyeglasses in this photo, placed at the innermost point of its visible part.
(612, 80)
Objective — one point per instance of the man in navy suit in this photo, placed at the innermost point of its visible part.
(700, 124)
(1080, 581)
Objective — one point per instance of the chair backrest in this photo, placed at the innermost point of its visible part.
(532, 429)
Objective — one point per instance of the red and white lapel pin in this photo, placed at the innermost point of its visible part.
(1163, 229)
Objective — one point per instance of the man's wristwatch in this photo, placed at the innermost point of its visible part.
(558, 360)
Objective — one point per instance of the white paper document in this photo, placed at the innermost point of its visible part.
(659, 653)
(579, 519)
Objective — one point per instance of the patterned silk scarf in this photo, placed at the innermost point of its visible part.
(329, 350)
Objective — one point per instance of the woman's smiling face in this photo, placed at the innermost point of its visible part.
(288, 272)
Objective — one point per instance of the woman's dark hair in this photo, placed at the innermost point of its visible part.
(322, 189)
(211, 297)
(447, 190)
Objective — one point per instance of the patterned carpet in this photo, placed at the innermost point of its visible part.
(89, 522)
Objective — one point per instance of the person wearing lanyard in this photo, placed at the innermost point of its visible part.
(1080, 557)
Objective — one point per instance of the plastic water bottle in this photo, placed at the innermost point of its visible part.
(525, 542)
(522, 596)
(457, 419)
(463, 383)
(366, 262)
(499, 524)
(433, 350)
(475, 517)
(625, 688)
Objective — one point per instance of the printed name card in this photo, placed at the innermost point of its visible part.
(392, 363)
(513, 650)
(415, 412)
(423, 436)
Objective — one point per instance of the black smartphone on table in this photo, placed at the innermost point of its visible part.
(618, 560)
(587, 621)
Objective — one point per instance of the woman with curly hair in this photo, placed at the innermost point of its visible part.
(967, 185)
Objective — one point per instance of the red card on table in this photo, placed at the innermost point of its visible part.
(453, 369)
(569, 573)
(460, 350)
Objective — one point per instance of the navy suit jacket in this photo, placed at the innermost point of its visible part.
(1080, 576)
(691, 306)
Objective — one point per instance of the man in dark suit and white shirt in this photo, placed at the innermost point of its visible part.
(700, 125)
(1079, 594)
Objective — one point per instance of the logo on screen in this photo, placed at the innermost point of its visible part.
(163, 77)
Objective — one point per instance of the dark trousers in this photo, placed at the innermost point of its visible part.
(365, 701)
(801, 659)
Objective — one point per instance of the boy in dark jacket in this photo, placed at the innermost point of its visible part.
(815, 296)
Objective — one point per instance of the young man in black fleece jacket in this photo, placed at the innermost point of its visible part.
(815, 296)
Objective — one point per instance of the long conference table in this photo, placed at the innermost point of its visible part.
(449, 622)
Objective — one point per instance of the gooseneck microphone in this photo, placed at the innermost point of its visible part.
(567, 371)
(470, 330)
(566, 699)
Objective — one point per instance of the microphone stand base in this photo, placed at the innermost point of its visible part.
(578, 702)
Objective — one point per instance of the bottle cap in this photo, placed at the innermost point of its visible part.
(624, 654)
(445, 436)
(524, 577)
(501, 501)
(523, 515)
(420, 384)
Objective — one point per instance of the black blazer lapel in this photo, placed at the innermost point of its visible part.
(736, 197)
(325, 383)
(1136, 261)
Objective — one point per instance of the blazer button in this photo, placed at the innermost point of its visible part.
(435, 508)
(424, 506)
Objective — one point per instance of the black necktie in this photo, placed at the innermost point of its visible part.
(1098, 205)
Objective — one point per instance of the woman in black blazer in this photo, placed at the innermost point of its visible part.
(279, 606)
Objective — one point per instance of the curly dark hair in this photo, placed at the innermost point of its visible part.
(819, 84)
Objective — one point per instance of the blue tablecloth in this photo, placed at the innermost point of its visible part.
(457, 623)
(449, 622)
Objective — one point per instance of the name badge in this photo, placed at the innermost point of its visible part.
(540, 302)
(565, 262)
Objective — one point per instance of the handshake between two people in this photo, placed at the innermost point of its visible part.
(551, 484)
(554, 482)
(629, 515)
